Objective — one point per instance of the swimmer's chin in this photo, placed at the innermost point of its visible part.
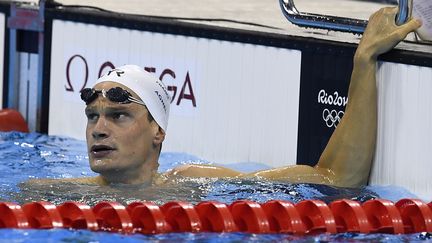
(103, 165)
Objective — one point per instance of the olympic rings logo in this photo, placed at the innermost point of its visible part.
(332, 118)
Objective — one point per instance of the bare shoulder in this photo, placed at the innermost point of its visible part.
(209, 171)
(297, 174)
(81, 180)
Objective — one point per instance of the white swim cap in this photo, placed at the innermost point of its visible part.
(148, 87)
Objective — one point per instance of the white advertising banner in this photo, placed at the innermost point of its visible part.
(2, 54)
(231, 102)
(403, 153)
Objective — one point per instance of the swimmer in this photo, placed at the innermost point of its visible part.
(127, 117)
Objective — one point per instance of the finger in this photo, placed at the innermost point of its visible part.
(390, 10)
(408, 27)
(387, 12)
(402, 32)
(391, 13)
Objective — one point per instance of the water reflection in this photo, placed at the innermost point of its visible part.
(187, 189)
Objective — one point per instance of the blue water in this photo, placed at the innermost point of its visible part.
(31, 156)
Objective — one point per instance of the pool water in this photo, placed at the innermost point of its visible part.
(30, 156)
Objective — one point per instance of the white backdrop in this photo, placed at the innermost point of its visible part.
(2, 54)
(241, 100)
(404, 143)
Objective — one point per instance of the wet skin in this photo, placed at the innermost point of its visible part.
(123, 145)
(346, 161)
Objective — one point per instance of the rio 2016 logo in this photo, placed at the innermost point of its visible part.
(332, 117)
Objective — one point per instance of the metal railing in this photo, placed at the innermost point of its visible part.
(327, 22)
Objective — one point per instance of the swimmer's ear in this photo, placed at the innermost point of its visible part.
(159, 136)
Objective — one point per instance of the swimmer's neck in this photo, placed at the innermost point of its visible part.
(145, 174)
(156, 179)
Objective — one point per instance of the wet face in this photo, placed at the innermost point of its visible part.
(121, 141)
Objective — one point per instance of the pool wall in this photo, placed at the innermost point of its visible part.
(2, 49)
(239, 95)
(404, 138)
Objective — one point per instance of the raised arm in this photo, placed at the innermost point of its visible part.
(347, 158)
(350, 149)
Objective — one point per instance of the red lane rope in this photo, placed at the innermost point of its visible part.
(276, 216)
(12, 120)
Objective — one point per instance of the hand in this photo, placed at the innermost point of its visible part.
(382, 33)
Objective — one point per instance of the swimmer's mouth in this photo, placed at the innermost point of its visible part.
(101, 150)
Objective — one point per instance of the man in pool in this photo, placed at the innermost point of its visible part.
(127, 112)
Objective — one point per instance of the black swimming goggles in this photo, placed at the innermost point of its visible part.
(116, 94)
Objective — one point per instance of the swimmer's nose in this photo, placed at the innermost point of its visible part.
(99, 135)
(100, 130)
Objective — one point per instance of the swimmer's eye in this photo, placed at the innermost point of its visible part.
(119, 115)
(92, 116)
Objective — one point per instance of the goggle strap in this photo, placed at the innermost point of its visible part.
(135, 100)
